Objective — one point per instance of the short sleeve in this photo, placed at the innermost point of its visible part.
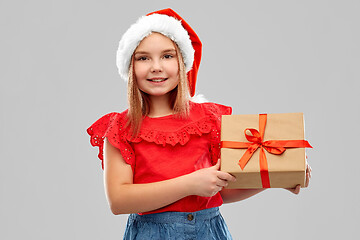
(215, 111)
(111, 126)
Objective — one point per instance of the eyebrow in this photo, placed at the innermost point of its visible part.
(165, 51)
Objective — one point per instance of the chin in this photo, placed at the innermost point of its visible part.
(158, 94)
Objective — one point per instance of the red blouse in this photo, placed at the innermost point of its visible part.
(167, 147)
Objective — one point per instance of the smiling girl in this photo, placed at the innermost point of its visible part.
(160, 156)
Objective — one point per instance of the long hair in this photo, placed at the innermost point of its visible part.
(139, 101)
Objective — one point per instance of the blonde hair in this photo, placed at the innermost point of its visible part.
(139, 101)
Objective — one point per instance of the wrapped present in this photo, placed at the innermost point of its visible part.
(264, 150)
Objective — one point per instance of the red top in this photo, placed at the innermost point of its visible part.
(167, 147)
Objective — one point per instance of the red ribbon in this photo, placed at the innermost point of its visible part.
(256, 141)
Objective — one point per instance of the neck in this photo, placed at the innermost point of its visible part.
(160, 106)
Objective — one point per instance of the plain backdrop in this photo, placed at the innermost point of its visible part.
(58, 75)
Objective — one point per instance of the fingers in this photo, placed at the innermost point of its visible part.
(218, 189)
(226, 176)
(295, 190)
(221, 183)
(308, 175)
(307, 179)
(217, 165)
(308, 169)
(223, 179)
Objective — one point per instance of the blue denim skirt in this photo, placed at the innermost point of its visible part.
(205, 224)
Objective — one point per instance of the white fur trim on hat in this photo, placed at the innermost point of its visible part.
(145, 25)
(199, 98)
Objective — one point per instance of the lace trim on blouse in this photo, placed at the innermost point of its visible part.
(112, 126)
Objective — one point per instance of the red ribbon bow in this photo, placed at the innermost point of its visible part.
(256, 141)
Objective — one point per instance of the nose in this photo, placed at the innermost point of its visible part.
(156, 66)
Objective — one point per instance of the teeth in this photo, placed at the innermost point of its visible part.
(158, 80)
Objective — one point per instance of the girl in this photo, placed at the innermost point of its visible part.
(160, 157)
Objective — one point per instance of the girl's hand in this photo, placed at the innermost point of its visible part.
(207, 182)
(296, 190)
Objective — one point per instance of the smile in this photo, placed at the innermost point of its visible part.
(157, 79)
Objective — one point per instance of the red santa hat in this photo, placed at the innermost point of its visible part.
(170, 24)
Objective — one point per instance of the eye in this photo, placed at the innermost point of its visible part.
(168, 56)
(141, 58)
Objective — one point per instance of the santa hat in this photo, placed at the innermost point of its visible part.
(170, 24)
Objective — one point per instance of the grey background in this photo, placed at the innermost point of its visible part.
(58, 75)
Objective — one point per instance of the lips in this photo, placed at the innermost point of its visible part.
(157, 79)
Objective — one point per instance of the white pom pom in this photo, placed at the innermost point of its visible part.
(199, 98)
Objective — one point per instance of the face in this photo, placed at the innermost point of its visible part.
(156, 67)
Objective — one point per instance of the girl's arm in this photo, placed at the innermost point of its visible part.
(235, 195)
(125, 197)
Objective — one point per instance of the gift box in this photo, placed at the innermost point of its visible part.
(264, 150)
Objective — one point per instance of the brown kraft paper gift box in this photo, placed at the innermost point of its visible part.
(285, 170)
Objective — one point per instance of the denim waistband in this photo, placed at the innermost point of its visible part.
(177, 217)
